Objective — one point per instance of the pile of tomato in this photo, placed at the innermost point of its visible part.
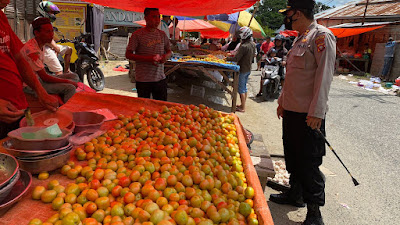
(180, 165)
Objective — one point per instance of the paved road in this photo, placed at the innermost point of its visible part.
(363, 128)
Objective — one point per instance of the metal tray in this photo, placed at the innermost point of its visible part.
(31, 144)
(10, 164)
(47, 118)
(47, 163)
(18, 191)
(7, 145)
(87, 120)
(8, 188)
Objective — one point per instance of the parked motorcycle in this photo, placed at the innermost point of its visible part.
(271, 81)
(87, 62)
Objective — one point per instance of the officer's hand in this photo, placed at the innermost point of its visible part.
(8, 112)
(279, 111)
(313, 122)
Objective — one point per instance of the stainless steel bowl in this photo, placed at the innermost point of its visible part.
(7, 145)
(9, 166)
(87, 120)
(7, 189)
(47, 163)
(31, 144)
(17, 192)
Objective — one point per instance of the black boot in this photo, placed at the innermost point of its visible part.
(314, 216)
(286, 198)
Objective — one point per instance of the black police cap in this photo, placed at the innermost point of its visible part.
(298, 4)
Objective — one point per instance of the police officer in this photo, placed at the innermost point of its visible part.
(303, 105)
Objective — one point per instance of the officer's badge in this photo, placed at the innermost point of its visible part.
(320, 42)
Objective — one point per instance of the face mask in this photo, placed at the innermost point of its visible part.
(288, 21)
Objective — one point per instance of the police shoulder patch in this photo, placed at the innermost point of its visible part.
(320, 42)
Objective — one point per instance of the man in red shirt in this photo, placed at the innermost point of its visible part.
(267, 45)
(14, 70)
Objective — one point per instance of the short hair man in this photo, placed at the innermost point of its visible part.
(177, 30)
(63, 85)
(267, 45)
(150, 48)
(164, 24)
(14, 70)
(390, 48)
(303, 105)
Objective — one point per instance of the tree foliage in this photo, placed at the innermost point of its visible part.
(268, 12)
(319, 7)
(268, 15)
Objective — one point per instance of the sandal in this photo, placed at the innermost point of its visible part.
(239, 109)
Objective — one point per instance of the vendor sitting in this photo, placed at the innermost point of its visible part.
(213, 45)
(63, 85)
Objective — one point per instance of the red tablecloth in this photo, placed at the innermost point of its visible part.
(28, 209)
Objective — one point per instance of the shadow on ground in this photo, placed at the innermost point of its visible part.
(286, 215)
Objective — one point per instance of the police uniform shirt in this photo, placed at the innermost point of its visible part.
(309, 72)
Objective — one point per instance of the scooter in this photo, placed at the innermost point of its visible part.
(87, 62)
(271, 79)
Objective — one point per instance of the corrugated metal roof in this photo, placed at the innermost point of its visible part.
(356, 9)
(351, 25)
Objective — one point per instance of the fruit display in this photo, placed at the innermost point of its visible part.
(177, 166)
(208, 58)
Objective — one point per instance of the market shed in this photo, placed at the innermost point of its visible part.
(381, 21)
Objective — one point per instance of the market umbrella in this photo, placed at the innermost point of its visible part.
(232, 22)
(180, 7)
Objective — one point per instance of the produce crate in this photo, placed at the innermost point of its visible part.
(28, 209)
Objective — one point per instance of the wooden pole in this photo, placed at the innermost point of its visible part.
(254, 11)
(173, 35)
(365, 12)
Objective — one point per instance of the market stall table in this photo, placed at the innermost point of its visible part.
(366, 62)
(206, 68)
(28, 209)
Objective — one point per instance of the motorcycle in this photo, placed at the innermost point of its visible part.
(87, 62)
(271, 81)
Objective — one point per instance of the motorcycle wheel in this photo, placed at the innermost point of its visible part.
(265, 92)
(95, 78)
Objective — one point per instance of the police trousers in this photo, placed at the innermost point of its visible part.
(304, 149)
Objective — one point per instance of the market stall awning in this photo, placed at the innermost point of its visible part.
(180, 7)
(346, 32)
(215, 34)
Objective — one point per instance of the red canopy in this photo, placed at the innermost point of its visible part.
(289, 33)
(215, 34)
(179, 7)
(345, 32)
